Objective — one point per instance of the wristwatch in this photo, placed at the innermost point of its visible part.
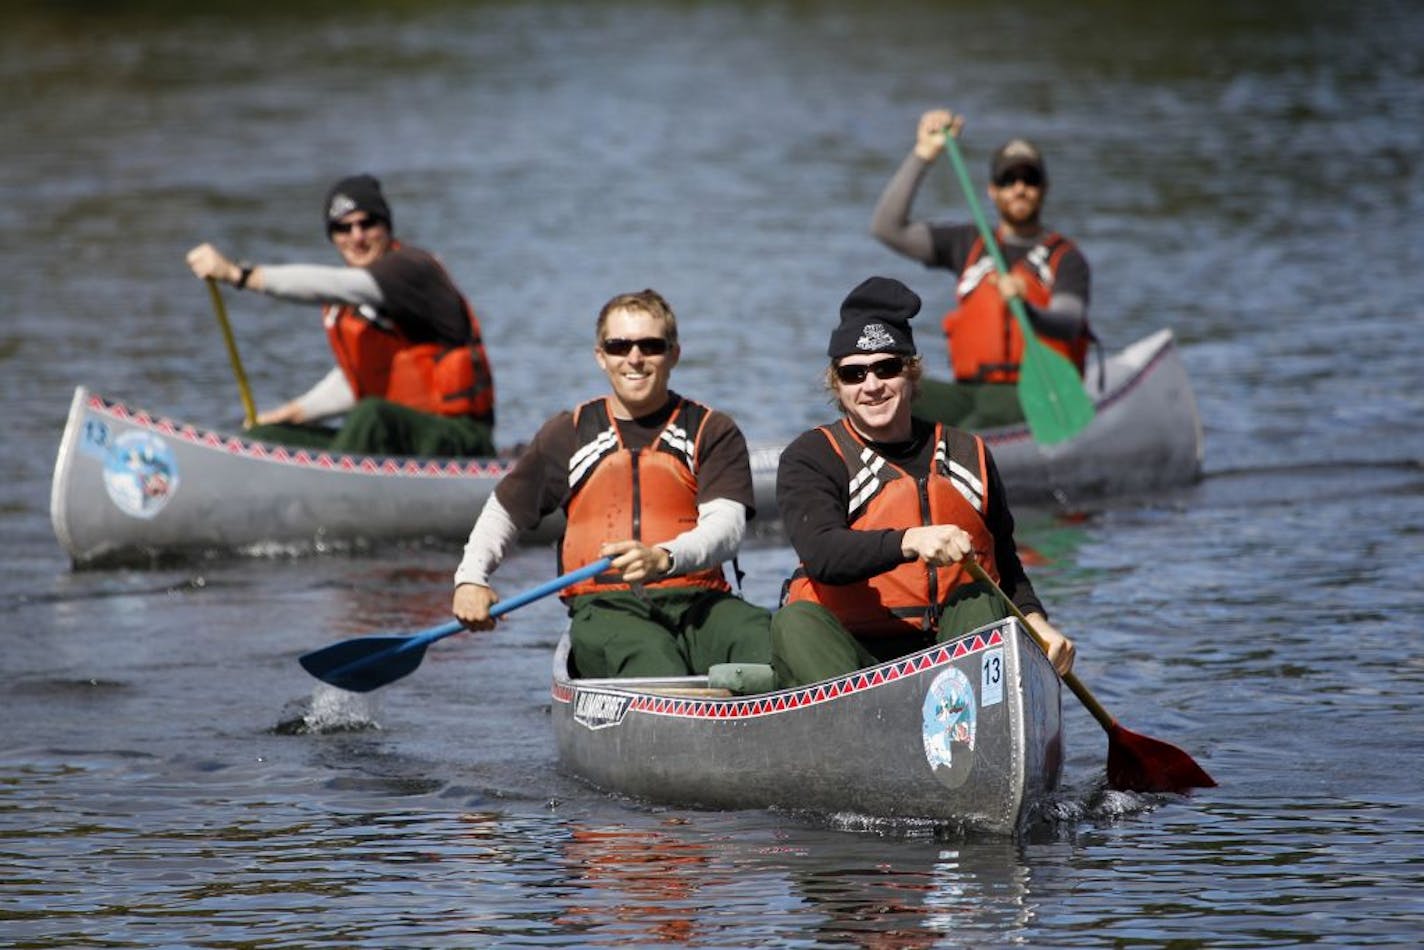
(244, 271)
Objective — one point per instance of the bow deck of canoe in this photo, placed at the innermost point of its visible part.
(130, 485)
(966, 733)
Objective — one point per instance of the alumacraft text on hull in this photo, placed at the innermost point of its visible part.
(966, 733)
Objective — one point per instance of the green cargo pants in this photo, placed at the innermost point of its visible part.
(808, 643)
(968, 405)
(665, 632)
(380, 427)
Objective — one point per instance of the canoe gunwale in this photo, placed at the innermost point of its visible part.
(237, 446)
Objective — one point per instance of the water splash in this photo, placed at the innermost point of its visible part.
(330, 710)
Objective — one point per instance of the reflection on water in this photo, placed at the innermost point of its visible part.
(670, 883)
(638, 885)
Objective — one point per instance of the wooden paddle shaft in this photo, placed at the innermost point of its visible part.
(1082, 692)
(249, 411)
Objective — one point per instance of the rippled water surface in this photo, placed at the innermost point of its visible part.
(1247, 174)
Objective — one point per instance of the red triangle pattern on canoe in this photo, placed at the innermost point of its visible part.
(270, 452)
(751, 707)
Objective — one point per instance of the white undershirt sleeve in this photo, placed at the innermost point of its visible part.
(330, 397)
(490, 538)
(319, 283)
(721, 524)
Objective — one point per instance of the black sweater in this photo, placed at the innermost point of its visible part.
(813, 494)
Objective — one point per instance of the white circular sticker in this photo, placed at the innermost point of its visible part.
(140, 474)
(949, 713)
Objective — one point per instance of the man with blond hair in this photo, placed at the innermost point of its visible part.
(657, 482)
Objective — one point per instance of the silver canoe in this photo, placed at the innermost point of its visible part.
(965, 734)
(1145, 437)
(131, 486)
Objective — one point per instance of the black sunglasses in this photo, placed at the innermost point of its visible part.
(649, 345)
(855, 374)
(365, 224)
(1029, 176)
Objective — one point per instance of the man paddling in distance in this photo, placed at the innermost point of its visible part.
(656, 481)
(1046, 271)
(412, 376)
(878, 579)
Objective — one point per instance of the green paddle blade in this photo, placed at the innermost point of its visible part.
(1055, 404)
(1051, 392)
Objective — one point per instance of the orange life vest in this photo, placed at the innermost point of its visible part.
(608, 485)
(378, 359)
(909, 598)
(985, 342)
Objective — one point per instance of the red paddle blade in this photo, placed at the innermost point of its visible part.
(1138, 763)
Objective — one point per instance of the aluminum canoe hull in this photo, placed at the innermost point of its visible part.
(966, 734)
(130, 485)
(1145, 437)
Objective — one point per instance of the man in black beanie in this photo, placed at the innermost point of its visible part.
(882, 509)
(412, 375)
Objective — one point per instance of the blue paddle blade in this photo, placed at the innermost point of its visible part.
(368, 663)
(365, 663)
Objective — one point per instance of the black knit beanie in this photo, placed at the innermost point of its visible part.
(875, 318)
(356, 193)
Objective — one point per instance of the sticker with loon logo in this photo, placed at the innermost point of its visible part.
(599, 710)
(140, 473)
(949, 713)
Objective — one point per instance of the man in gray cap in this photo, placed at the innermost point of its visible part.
(879, 577)
(1046, 271)
(412, 376)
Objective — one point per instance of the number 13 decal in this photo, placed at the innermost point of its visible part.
(991, 678)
